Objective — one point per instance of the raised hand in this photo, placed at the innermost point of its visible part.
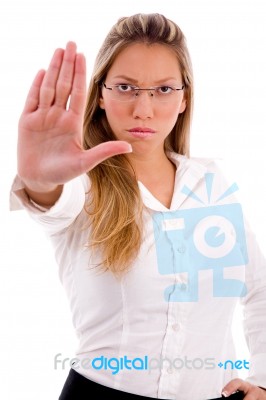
(50, 149)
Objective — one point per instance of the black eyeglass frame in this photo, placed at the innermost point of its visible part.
(138, 89)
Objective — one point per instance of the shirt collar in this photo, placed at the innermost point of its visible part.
(189, 172)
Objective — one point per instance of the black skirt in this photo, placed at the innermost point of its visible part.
(77, 387)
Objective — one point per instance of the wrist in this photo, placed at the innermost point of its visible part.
(44, 196)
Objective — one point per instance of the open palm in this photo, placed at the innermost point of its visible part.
(50, 149)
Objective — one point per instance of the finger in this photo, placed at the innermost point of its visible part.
(66, 76)
(234, 385)
(78, 93)
(47, 92)
(99, 153)
(32, 100)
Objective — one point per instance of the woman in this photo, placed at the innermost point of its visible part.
(121, 208)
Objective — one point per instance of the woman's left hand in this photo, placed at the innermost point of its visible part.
(251, 392)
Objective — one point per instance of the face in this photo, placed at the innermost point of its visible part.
(144, 122)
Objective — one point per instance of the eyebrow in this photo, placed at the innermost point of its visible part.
(127, 78)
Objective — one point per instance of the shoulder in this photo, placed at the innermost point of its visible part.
(202, 164)
(211, 173)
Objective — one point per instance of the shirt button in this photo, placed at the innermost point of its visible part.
(181, 249)
(170, 370)
(176, 327)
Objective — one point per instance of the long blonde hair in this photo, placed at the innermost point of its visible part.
(115, 207)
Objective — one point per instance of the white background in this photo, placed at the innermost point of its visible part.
(227, 42)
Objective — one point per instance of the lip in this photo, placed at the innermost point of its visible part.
(141, 132)
(141, 129)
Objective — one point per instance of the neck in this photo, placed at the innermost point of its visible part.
(150, 167)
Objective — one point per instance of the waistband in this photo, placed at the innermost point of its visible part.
(78, 386)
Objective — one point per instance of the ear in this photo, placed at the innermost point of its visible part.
(101, 103)
(183, 106)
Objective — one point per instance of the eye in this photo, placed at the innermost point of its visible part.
(123, 87)
(164, 89)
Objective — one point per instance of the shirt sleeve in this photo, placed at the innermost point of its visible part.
(254, 310)
(254, 302)
(61, 214)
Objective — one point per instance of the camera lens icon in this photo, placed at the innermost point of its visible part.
(214, 236)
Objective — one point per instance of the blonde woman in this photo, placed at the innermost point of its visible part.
(111, 182)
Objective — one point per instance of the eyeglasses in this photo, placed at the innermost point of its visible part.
(126, 93)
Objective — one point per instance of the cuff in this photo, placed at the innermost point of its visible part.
(257, 374)
(20, 200)
(62, 213)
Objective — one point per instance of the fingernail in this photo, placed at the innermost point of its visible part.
(225, 393)
(129, 150)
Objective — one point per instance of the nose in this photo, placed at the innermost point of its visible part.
(143, 105)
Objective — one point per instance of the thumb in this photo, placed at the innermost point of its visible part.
(92, 157)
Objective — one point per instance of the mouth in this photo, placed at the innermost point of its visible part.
(140, 132)
(143, 130)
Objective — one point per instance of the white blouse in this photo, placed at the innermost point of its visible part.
(162, 329)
